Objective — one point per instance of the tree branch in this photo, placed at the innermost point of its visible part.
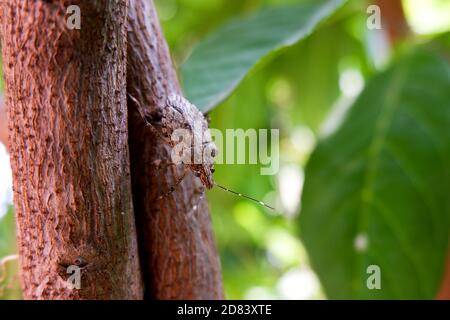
(178, 253)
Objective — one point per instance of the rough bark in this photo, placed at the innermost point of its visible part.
(444, 293)
(178, 253)
(66, 103)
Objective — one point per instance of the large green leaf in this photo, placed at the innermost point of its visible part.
(377, 190)
(222, 60)
(313, 70)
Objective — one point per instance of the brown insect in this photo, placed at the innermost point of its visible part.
(185, 129)
(179, 115)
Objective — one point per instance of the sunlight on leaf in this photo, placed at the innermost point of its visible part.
(219, 63)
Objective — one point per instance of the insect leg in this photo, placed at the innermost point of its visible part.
(197, 203)
(177, 183)
(144, 118)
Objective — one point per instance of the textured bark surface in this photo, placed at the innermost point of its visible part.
(66, 101)
(178, 253)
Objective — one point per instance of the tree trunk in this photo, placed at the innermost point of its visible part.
(66, 99)
(67, 119)
(178, 253)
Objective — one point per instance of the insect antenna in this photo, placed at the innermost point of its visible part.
(145, 119)
(244, 196)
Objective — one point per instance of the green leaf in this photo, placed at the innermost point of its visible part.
(7, 234)
(313, 70)
(219, 63)
(376, 191)
(9, 287)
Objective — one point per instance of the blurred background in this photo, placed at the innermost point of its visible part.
(303, 90)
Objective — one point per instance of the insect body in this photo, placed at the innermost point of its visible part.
(184, 128)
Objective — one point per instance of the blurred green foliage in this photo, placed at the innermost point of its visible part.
(219, 62)
(377, 178)
(305, 91)
(293, 90)
(9, 284)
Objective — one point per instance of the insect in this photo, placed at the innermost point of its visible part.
(185, 129)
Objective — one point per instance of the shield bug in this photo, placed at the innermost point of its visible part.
(184, 128)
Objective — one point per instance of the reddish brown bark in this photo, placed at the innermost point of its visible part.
(444, 293)
(178, 253)
(66, 101)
